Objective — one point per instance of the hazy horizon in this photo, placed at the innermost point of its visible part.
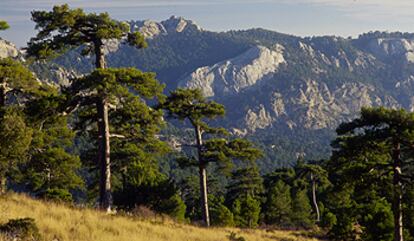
(297, 17)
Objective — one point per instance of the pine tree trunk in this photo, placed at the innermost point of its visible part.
(315, 202)
(105, 197)
(203, 179)
(100, 62)
(397, 200)
(3, 178)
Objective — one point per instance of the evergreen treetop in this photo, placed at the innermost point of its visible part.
(64, 27)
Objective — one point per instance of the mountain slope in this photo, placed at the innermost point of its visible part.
(58, 222)
(287, 93)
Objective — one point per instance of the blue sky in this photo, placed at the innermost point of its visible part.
(299, 17)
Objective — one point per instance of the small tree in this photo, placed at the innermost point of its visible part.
(246, 210)
(17, 86)
(316, 174)
(187, 104)
(301, 209)
(245, 181)
(50, 170)
(14, 145)
(278, 206)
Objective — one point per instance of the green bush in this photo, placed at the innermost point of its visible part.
(221, 216)
(23, 229)
(246, 211)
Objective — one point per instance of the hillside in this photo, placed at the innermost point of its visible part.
(278, 89)
(287, 93)
(58, 222)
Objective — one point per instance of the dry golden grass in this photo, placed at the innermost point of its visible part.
(63, 223)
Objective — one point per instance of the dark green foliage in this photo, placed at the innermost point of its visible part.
(377, 221)
(243, 182)
(246, 211)
(244, 195)
(59, 195)
(278, 207)
(301, 210)
(132, 122)
(15, 141)
(174, 207)
(23, 229)
(409, 210)
(369, 175)
(17, 86)
(221, 215)
(17, 81)
(3, 25)
(64, 27)
(161, 196)
(190, 105)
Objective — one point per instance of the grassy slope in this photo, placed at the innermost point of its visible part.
(64, 223)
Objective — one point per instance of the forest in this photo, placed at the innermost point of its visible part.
(102, 142)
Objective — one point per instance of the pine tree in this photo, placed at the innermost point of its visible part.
(187, 104)
(316, 175)
(246, 210)
(17, 85)
(301, 209)
(15, 143)
(63, 28)
(131, 121)
(51, 169)
(278, 207)
(245, 181)
(375, 147)
(220, 214)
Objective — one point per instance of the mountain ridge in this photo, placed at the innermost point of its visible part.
(278, 89)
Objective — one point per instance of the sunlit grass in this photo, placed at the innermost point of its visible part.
(64, 223)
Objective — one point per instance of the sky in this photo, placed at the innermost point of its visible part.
(299, 17)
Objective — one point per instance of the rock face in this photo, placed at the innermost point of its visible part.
(277, 88)
(8, 49)
(151, 29)
(313, 106)
(236, 74)
(396, 47)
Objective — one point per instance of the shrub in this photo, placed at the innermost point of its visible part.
(221, 216)
(23, 229)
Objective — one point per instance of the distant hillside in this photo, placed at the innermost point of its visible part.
(58, 222)
(285, 92)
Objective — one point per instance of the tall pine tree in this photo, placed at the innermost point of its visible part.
(377, 145)
(191, 105)
(131, 122)
(63, 28)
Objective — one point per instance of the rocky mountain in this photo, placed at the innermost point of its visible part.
(285, 92)
(8, 49)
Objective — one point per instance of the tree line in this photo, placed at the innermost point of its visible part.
(100, 139)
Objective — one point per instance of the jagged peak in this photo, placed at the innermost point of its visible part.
(174, 24)
(8, 49)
